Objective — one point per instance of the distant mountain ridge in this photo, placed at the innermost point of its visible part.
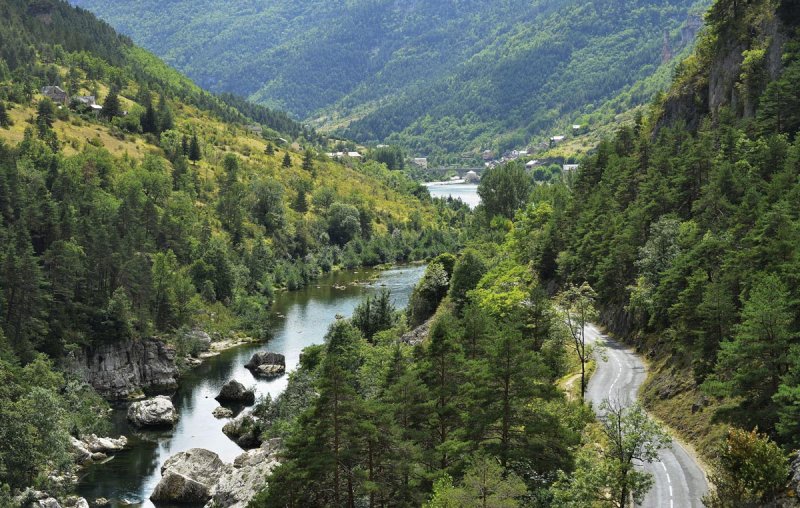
(439, 76)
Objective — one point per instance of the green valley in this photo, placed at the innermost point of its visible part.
(439, 78)
(205, 302)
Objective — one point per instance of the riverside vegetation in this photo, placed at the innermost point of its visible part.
(683, 230)
(680, 233)
(161, 213)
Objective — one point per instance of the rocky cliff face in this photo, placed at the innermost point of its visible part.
(127, 369)
(718, 79)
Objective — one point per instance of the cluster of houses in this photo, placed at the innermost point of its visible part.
(59, 96)
(490, 161)
(343, 155)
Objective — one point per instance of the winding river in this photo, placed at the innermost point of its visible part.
(301, 318)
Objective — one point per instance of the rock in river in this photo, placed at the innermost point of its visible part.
(238, 485)
(222, 412)
(96, 448)
(189, 477)
(234, 391)
(245, 430)
(155, 412)
(266, 364)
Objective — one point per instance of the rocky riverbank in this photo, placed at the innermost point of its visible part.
(199, 476)
(126, 369)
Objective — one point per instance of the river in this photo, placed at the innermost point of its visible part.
(301, 318)
(466, 192)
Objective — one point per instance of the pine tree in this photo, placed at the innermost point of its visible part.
(149, 119)
(45, 116)
(185, 146)
(270, 150)
(308, 161)
(287, 160)
(754, 362)
(165, 120)
(5, 120)
(194, 149)
(24, 293)
(442, 373)
(111, 107)
(374, 314)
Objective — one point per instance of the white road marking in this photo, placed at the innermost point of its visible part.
(619, 373)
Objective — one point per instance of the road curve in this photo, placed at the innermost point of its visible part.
(679, 481)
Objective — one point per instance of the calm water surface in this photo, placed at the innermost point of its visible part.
(466, 192)
(301, 318)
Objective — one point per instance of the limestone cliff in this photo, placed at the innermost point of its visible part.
(126, 369)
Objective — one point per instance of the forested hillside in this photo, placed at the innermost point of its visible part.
(686, 225)
(438, 77)
(152, 212)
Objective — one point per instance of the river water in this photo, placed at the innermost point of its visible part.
(466, 192)
(301, 318)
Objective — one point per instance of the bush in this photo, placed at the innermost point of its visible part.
(751, 470)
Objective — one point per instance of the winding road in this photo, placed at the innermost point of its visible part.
(679, 481)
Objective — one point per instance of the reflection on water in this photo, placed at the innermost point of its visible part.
(300, 318)
(466, 192)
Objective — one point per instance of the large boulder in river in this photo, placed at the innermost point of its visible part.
(189, 477)
(234, 391)
(245, 430)
(126, 369)
(246, 478)
(155, 412)
(222, 412)
(267, 364)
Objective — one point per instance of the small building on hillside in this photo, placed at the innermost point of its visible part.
(570, 167)
(55, 94)
(342, 155)
(86, 100)
(556, 140)
(532, 164)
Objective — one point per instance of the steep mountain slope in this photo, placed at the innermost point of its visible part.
(687, 227)
(446, 75)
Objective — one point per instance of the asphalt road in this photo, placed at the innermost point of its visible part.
(679, 481)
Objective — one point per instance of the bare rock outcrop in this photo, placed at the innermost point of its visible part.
(238, 485)
(189, 477)
(126, 369)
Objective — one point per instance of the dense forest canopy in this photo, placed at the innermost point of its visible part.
(167, 210)
(160, 212)
(686, 226)
(438, 77)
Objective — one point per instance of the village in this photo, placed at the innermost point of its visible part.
(76, 102)
(491, 160)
